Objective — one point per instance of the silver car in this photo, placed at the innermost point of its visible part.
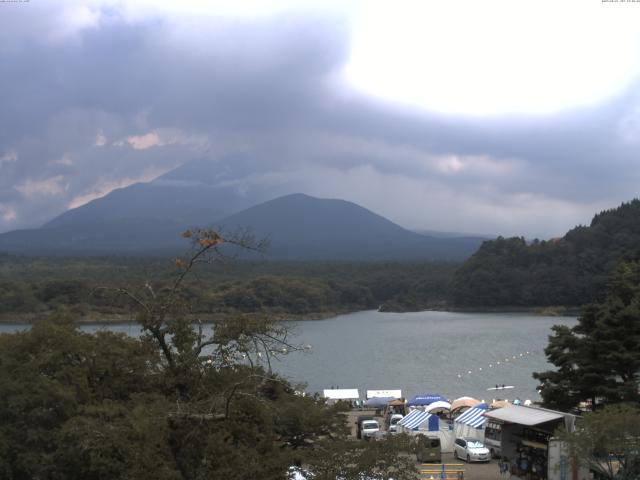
(471, 450)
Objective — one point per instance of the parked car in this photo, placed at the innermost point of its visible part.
(366, 426)
(427, 449)
(471, 450)
(392, 422)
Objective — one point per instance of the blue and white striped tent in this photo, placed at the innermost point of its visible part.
(473, 417)
(470, 424)
(416, 418)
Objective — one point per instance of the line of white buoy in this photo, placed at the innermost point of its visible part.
(497, 363)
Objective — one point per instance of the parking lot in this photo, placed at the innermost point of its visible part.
(472, 471)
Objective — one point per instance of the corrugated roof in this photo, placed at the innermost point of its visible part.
(524, 415)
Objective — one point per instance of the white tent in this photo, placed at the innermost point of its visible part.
(384, 393)
(438, 406)
(336, 394)
(419, 421)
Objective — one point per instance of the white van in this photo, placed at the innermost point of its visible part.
(392, 422)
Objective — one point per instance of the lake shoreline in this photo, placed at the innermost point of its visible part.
(117, 319)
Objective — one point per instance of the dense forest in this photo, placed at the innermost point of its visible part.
(504, 273)
(90, 288)
(570, 271)
(172, 404)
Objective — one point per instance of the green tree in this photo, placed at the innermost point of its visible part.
(608, 442)
(182, 402)
(599, 358)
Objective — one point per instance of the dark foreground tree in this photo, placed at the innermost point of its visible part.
(182, 402)
(608, 442)
(598, 360)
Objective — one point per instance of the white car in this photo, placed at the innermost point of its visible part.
(471, 450)
(369, 428)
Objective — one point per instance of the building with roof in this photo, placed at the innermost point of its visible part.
(526, 439)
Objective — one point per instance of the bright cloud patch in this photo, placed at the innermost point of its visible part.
(48, 187)
(495, 57)
(8, 157)
(7, 213)
(103, 186)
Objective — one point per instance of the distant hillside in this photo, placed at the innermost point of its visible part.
(303, 227)
(148, 219)
(572, 270)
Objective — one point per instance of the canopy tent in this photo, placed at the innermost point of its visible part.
(474, 417)
(417, 419)
(396, 406)
(471, 423)
(499, 404)
(425, 399)
(464, 402)
(384, 393)
(341, 394)
(378, 402)
(438, 406)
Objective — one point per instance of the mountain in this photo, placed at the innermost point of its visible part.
(572, 270)
(195, 193)
(235, 191)
(298, 226)
(303, 227)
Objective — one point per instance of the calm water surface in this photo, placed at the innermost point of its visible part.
(422, 352)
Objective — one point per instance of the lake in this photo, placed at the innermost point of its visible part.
(453, 354)
(424, 352)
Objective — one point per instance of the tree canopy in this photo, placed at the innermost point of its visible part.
(570, 271)
(608, 442)
(598, 359)
(178, 403)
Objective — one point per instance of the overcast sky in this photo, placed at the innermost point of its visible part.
(499, 117)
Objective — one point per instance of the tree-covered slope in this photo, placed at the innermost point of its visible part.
(572, 270)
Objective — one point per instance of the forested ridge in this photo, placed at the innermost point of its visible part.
(570, 271)
(503, 273)
(85, 286)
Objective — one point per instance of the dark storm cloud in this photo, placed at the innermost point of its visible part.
(120, 101)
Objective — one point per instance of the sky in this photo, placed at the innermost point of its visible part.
(496, 117)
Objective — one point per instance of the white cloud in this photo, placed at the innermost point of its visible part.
(101, 140)
(9, 157)
(65, 160)
(161, 138)
(103, 186)
(51, 186)
(7, 213)
(495, 56)
(629, 126)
